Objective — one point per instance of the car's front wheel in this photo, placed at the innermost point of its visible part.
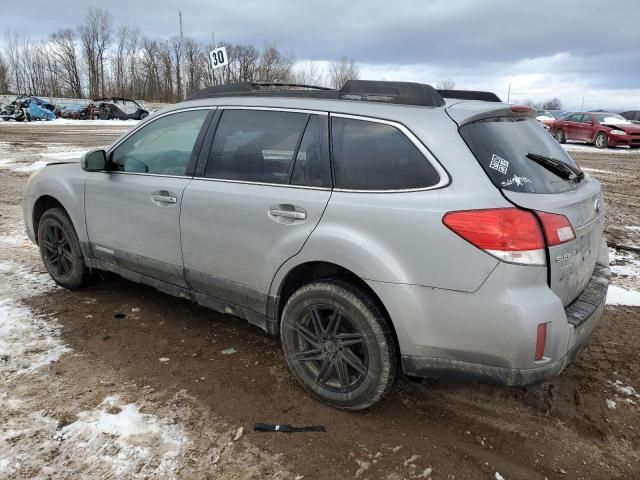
(560, 136)
(601, 140)
(60, 250)
(338, 344)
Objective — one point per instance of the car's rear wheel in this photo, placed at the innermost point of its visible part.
(60, 250)
(560, 136)
(338, 344)
(601, 140)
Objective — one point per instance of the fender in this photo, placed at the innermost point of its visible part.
(65, 183)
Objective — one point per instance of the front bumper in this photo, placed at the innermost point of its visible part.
(621, 140)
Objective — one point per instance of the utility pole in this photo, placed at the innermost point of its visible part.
(582, 107)
(509, 92)
(184, 93)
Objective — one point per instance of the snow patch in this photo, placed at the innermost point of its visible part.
(119, 436)
(27, 342)
(621, 296)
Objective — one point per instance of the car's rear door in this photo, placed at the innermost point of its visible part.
(571, 126)
(133, 208)
(529, 185)
(261, 189)
(585, 128)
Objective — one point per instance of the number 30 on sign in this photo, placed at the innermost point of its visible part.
(218, 57)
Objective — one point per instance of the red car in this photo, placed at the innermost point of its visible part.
(602, 129)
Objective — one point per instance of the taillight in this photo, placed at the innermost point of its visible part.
(520, 108)
(510, 234)
(541, 340)
(557, 228)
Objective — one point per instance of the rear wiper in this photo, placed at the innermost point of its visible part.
(563, 170)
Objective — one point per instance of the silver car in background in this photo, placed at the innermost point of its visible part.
(379, 228)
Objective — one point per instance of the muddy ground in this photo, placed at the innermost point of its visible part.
(118, 332)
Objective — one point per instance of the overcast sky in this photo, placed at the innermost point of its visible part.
(565, 48)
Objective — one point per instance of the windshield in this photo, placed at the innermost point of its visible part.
(502, 146)
(610, 118)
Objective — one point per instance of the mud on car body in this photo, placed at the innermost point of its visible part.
(376, 229)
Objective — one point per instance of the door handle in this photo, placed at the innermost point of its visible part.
(163, 197)
(295, 215)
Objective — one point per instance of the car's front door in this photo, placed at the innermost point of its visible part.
(266, 184)
(133, 208)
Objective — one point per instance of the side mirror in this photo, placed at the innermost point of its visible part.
(94, 161)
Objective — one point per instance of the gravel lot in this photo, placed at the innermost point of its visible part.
(121, 381)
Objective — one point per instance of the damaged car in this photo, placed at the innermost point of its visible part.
(28, 108)
(112, 108)
(602, 129)
(381, 228)
(73, 111)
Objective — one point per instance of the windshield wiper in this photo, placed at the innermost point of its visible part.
(563, 170)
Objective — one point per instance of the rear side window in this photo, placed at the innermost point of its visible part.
(376, 156)
(501, 146)
(255, 145)
(312, 166)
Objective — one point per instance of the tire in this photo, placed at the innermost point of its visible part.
(339, 345)
(560, 136)
(143, 115)
(60, 250)
(601, 140)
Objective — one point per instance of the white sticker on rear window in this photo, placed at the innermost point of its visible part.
(516, 180)
(498, 163)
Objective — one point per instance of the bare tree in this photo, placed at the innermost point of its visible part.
(308, 73)
(274, 66)
(176, 48)
(193, 65)
(446, 84)
(552, 104)
(96, 37)
(98, 60)
(342, 70)
(65, 61)
(4, 75)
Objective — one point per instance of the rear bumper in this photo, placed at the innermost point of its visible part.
(473, 372)
(489, 335)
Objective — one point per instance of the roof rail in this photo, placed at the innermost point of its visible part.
(403, 93)
(470, 95)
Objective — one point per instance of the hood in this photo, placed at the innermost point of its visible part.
(627, 127)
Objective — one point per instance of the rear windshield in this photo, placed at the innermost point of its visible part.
(501, 146)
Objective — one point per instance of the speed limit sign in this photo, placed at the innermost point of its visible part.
(218, 57)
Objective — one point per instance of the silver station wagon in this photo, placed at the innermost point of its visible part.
(381, 228)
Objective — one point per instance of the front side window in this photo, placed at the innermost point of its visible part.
(255, 145)
(376, 156)
(163, 146)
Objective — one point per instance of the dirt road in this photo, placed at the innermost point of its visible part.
(127, 352)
